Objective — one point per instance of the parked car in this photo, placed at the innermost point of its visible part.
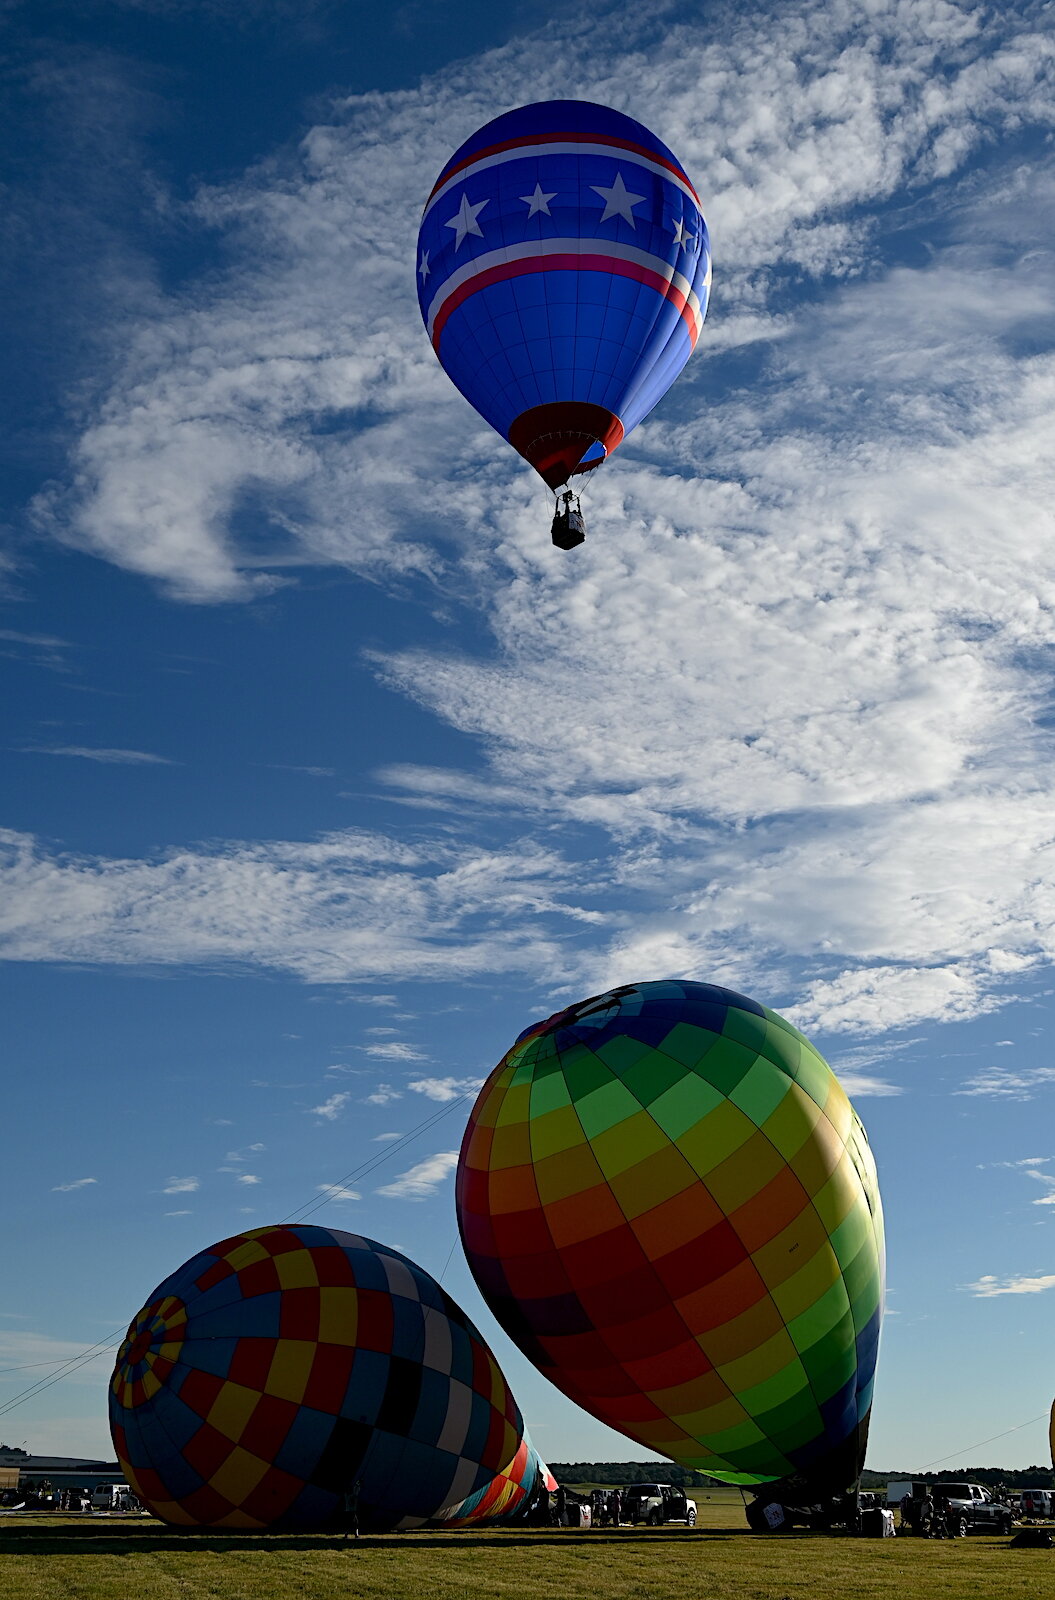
(656, 1503)
(971, 1509)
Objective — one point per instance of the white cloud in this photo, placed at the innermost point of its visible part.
(422, 1180)
(1000, 1083)
(337, 1191)
(445, 1088)
(1026, 1161)
(311, 772)
(43, 640)
(394, 1050)
(248, 1177)
(989, 1287)
(383, 1095)
(120, 758)
(339, 909)
(179, 1213)
(861, 1085)
(78, 1183)
(182, 1186)
(330, 1109)
(383, 1138)
(1031, 1167)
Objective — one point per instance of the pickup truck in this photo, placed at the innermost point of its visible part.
(656, 1503)
(971, 1509)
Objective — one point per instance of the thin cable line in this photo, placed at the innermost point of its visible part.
(953, 1453)
(93, 1352)
(103, 1346)
(396, 1147)
(26, 1365)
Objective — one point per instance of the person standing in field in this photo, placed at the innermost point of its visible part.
(350, 1508)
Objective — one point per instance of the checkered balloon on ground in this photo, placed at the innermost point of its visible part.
(277, 1371)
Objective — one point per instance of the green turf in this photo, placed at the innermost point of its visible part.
(54, 1558)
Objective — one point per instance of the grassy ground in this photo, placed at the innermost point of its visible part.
(93, 1559)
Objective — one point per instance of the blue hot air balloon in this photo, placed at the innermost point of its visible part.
(563, 272)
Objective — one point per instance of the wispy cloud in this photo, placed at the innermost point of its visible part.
(1030, 1167)
(78, 1183)
(311, 772)
(383, 1095)
(248, 1177)
(329, 910)
(337, 1191)
(182, 1186)
(394, 1050)
(1008, 1083)
(330, 1109)
(989, 1287)
(109, 757)
(179, 1213)
(445, 1088)
(1025, 1161)
(46, 641)
(861, 1086)
(422, 1180)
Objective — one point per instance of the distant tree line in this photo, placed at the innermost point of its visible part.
(631, 1472)
(619, 1472)
(989, 1477)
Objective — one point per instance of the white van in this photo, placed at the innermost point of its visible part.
(1038, 1503)
(112, 1497)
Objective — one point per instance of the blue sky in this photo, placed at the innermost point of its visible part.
(324, 774)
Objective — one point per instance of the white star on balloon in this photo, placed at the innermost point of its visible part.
(424, 267)
(464, 221)
(617, 201)
(682, 234)
(538, 201)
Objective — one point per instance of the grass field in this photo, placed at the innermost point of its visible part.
(50, 1558)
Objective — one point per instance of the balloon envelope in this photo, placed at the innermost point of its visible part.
(563, 272)
(276, 1369)
(670, 1205)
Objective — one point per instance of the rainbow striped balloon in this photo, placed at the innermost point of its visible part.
(670, 1205)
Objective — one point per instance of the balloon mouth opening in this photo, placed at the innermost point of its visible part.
(564, 438)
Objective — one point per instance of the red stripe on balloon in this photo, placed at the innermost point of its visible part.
(566, 263)
(562, 138)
